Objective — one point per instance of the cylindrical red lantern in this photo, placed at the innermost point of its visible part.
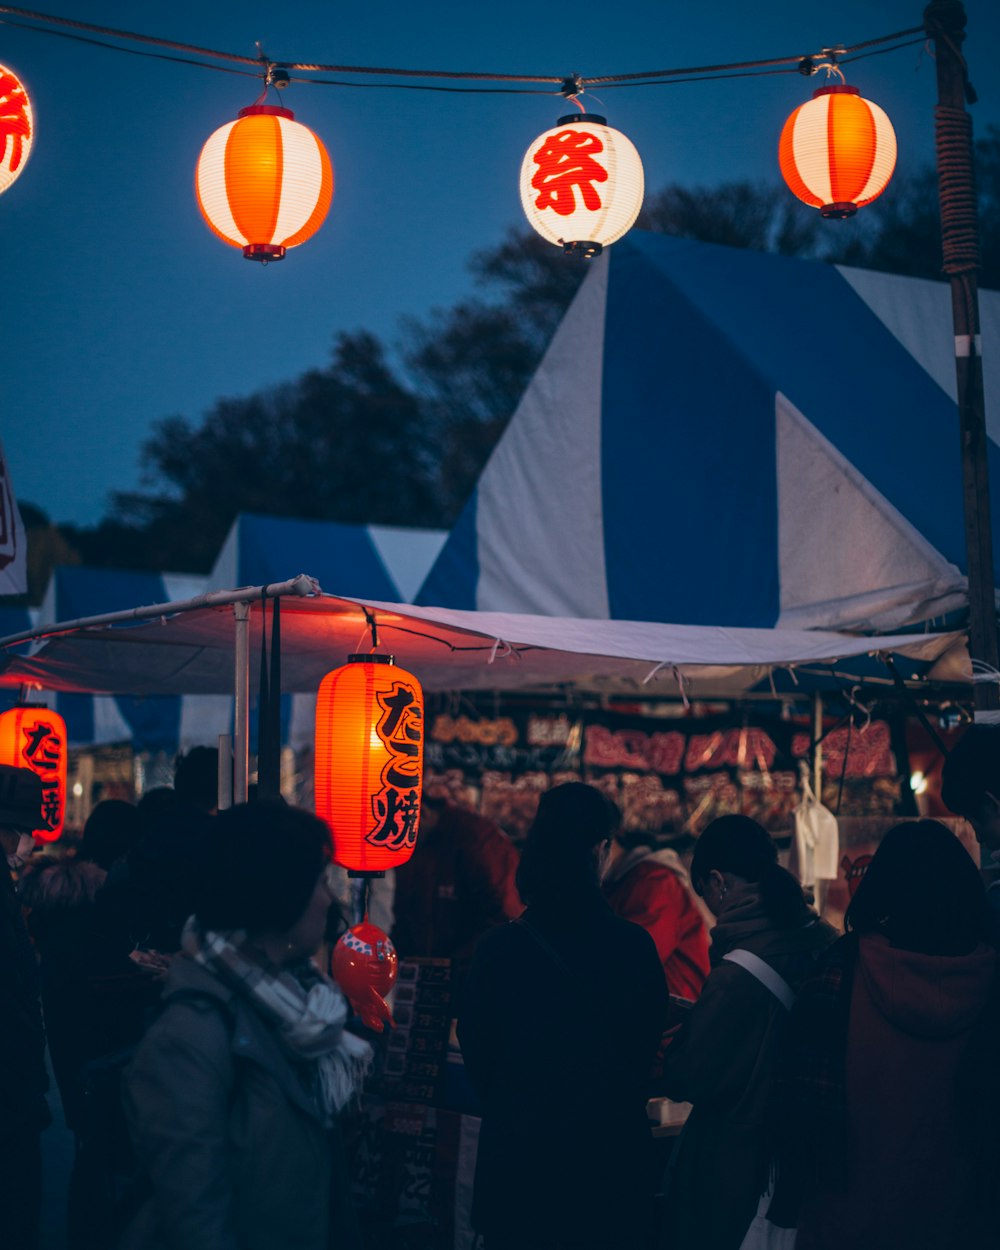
(837, 151)
(364, 964)
(35, 737)
(369, 762)
(17, 127)
(264, 182)
(582, 184)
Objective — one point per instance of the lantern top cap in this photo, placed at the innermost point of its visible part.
(268, 110)
(357, 658)
(837, 88)
(596, 118)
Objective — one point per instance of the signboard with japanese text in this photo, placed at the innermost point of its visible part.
(668, 774)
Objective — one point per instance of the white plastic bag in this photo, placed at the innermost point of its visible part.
(762, 1234)
(817, 837)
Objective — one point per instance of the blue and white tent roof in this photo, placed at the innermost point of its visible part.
(157, 723)
(378, 562)
(724, 437)
(369, 561)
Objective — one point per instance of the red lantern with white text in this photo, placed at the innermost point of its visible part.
(17, 127)
(582, 184)
(369, 762)
(264, 182)
(365, 965)
(35, 737)
(837, 151)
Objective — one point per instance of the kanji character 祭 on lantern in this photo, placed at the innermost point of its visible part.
(17, 127)
(582, 184)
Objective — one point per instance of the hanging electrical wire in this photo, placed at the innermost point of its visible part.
(263, 66)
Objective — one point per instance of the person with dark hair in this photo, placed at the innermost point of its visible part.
(60, 895)
(196, 778)
(23, 1082)
(652, 888)
(109, 834)
(234, 1094)
(764, 946)
(887, 1134)
(970, 787)
(562, 1016)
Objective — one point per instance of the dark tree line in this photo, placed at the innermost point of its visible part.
(430, 416)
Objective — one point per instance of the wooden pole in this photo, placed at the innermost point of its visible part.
(945, 23)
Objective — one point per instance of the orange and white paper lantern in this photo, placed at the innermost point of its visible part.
(264, 182)
(837, 151)
(369, 762)
(17, 127)
(582, 184)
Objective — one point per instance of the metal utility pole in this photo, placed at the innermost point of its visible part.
(945, 24)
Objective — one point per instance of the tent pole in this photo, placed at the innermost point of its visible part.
(241, 719)
(817, 734)
(225, 771)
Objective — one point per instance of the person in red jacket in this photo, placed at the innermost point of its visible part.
(458, 884)
(652, 889)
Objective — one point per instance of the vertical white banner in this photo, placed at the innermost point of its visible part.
(13, 541)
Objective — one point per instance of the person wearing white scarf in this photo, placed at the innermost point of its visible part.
(233, 1096)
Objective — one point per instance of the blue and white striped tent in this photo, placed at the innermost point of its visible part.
(163, 723)
(723, 437)
(379, 562)
(364, 561)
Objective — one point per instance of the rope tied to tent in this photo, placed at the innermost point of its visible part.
(497, 644)
(984, 673)
(682, 686)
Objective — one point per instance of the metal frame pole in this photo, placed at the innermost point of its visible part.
(241, 717)
(225, 782)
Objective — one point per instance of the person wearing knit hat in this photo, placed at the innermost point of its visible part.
(234, 1094)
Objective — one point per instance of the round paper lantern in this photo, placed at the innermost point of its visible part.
(837, 151)
(264, 182)
(581, 184)
(365, 965)
(369, 762)
(35, 737)
(17, 127)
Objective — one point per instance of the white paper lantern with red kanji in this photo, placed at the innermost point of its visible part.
(837, 151)
(17, 127)
(264, 182)
(582, 184)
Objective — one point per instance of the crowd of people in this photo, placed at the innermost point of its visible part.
(205, 1060)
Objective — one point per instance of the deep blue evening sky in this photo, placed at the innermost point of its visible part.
(120, 306)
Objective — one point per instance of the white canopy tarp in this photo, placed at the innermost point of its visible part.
(188, 649)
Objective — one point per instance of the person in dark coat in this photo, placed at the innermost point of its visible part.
(887, 1111)
(60, 896)
(562, 1016)
(970, 787)
(725, 1055)
(234, 1093)
(23, 1081)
